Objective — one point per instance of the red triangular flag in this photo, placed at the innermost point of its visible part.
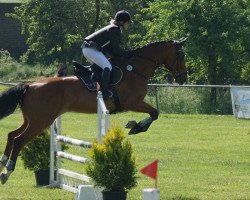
(150, 170)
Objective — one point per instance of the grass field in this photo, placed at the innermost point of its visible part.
(201, 157)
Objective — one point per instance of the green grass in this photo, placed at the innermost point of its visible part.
(201, 157)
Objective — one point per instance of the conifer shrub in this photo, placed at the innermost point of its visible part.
(113, 166)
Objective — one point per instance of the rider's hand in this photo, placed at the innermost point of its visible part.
(131, 53)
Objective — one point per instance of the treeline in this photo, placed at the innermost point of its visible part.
(217, 49)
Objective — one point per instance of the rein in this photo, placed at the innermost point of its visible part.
(145, 58)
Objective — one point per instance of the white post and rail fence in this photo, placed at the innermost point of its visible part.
(69, 180)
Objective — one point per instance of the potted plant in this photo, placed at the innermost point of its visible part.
(112, 165)
(36, 157)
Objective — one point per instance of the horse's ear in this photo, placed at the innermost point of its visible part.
(182, 40)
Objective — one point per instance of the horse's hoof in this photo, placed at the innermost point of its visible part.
(136, 129)
(131, 124)
(132, 132)
(3, 178)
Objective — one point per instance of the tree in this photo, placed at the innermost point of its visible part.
(218, 35)
(56, 28)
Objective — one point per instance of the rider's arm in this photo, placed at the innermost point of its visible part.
(115, 40)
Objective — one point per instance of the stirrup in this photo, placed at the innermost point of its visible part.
(108, 95)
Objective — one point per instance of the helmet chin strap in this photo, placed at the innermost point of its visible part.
(122, 28)
(121, 23)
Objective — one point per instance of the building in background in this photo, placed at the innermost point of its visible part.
(11, 38)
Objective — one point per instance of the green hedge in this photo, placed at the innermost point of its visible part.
(191, 100)
(12, 70)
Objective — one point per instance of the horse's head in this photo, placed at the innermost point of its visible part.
(170, 54)
(175, 61)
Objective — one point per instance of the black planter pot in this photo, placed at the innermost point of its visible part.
(42, 177)
(114, 195)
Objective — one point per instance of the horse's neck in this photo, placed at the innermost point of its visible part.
(152, 56)
(154, 51)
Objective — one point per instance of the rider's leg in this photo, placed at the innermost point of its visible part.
(97, 57)
(105, 83)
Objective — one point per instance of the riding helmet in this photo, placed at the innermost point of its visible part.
(122, 16)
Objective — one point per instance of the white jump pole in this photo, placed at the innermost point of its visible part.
(103, 117)
(55, 129)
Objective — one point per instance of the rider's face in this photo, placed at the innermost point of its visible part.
(126, 25)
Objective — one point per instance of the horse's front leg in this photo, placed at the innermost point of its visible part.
(144, 124)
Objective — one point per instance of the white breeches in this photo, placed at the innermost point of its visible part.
(97, 57)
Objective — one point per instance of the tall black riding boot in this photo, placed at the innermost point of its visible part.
(105, 83)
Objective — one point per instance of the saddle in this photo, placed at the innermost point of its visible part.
(90, 76)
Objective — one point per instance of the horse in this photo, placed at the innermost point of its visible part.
(43, 101)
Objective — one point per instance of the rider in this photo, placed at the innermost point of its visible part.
(106, 41)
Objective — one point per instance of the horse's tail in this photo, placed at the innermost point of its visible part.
(11, 98)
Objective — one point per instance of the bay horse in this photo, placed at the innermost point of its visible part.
(43, 101)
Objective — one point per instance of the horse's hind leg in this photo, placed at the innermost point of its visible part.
(9, 145)
(19, 142)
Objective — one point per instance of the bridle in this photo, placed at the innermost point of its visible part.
(176, 66)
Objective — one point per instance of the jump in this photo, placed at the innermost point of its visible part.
(43, 101)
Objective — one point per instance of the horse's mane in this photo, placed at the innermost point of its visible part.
(153, 44)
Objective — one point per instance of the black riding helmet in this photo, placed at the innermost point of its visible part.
(122, 16)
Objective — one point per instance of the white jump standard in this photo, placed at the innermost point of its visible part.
(68, 180)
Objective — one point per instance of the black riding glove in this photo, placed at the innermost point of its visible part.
(131, 54)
